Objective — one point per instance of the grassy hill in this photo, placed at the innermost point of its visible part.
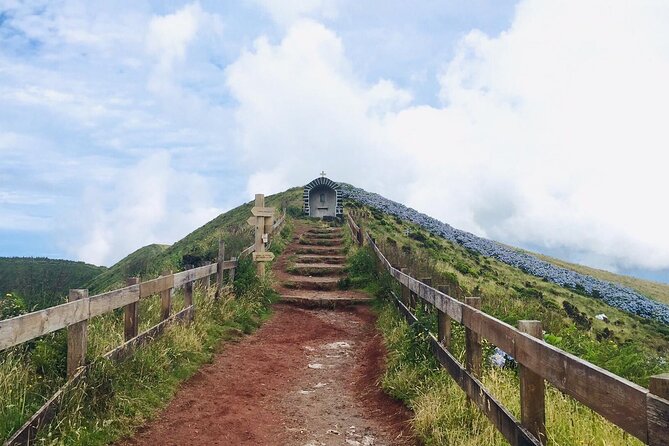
(43, 282)
(626, 344)
(196, 248)
(654, 290)
(94, 414)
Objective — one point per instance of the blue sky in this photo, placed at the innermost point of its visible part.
(539, 124)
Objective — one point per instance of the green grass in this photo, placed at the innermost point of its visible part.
(649, 288)
(629, 346)
(40, 282)
(116, 398)
(198, 247)
(442, 415)
(634, 349)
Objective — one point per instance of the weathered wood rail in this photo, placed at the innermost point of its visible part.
(75, 314)
(643, 413)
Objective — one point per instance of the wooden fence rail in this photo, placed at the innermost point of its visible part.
(638, 411)
(74, 316)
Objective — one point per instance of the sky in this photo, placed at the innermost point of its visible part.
(540, 124)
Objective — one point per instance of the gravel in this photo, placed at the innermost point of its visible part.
(613, 294)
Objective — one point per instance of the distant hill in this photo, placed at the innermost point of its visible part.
(43, 282)
(196, 248)
(654, 290)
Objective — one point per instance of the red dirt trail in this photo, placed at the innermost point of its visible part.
(262, 390)
(307, 377)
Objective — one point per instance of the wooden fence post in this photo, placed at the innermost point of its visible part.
(657, 403)
(77, 338)
(207, 280)
(444, 324)
(472, 342)
(131, 315)
(259, 243)
(423, 304)
(166, 300)
(406, 294)
(219, 268)
(188, 298)
(532, 390)
(231, 276)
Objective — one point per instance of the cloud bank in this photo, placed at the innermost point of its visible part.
(549, 135)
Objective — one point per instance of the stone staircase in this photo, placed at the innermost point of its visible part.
(310, 268)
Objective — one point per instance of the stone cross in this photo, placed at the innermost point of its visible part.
(323, 173)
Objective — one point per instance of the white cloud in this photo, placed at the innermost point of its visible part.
(301, 109)
(169, 36)
(550, 134)
(149, 202)
(286, 12)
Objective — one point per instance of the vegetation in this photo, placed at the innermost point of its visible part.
(197, 248)
(624, 344)
(654, 290)
(115, 398)
(442, 415)
(36, 282)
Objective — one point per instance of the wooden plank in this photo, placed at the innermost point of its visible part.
(166, 299)
(29, 326)
(443, 325)
(155, 286)
(183, 277)
(131, 312)
(658, 420)
(259, 230)
(532, 390)
(267, 256)
(261, 211)
(497, 332)
(219, 268)
(618, 400)
(473, 350)
(77, 337)
(188, 294)
(501, 418)
(106, 302)
(657, 404)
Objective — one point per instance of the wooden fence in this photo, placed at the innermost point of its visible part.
(644, 413)
(75, 314)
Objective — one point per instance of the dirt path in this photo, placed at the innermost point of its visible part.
(307, 377)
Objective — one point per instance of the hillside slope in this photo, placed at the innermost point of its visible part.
(613, 294)
(654, 290)
(196, 248)
(43, 282)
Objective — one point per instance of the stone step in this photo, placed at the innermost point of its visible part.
(320, 236)
(325, 231)
(312, 283)
(321, 241)
(328, 299)
(327, 258)
(319, 250)
(316, 269)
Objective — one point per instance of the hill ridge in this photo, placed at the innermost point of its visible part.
(614, 294)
